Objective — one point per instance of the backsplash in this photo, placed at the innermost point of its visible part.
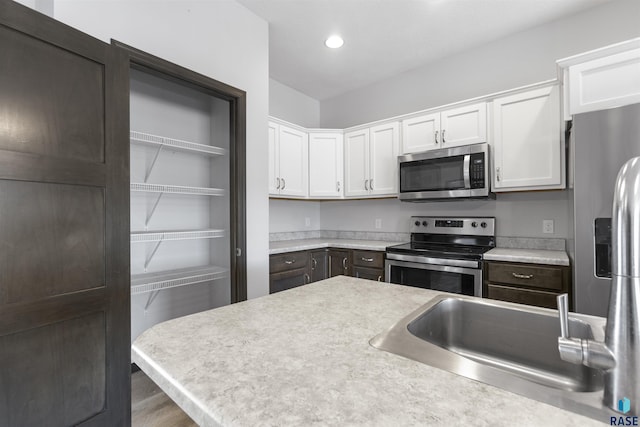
(531, 243)
(339, 234)
(501, 242)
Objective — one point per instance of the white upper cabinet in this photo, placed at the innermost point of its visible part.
(421, 133)
(356, 163)
(449, 128)
(326, 165)
(463, 126)
(274, 179)
(603, 78)
(288, 161)
(383, 159)
(371, 166)
(528, 149)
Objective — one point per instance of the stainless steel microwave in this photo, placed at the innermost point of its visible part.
(449, 173)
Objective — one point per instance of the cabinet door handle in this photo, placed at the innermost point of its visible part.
(498, 174)
(314, 263)
(344, 263)
(338, 186)
(443, 140)
(522, 276)
(307, 279)
(283, 183)
(365, 184)
(371, 184)
(289, 262)
(367, 259)
(379, 278)
(278, 183)
(435, 139)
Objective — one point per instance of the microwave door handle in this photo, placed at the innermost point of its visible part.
(465, 171)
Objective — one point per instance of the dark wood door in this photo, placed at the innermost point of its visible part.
(64, 226)
(319, 267)
(339, 262)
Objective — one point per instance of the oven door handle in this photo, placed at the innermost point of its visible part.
(428, 261)
(466, 172)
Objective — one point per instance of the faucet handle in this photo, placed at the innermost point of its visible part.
(563, 314)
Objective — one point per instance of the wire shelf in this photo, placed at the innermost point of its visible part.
(151, 282)
(176, 189)
(175, 144)
(161, 236)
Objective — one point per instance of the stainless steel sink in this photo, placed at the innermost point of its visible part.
(511, 346)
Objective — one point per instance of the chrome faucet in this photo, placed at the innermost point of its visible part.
(619, 356)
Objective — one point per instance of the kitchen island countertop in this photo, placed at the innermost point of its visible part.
(302, 357)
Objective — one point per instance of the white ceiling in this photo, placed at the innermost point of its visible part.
(386, 37)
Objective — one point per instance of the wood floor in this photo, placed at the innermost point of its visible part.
(150, 407)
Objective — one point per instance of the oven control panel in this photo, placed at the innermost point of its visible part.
(481, 226)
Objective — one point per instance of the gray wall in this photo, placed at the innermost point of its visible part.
(525, 58)
(288, 104)
(517, 214)
(290, 215)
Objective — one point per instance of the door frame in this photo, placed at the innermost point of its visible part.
(153, 65)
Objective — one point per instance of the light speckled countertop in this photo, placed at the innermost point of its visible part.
(302, 357)
(307, 244)
(532, 256)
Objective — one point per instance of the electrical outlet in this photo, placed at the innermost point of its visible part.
(547, 226)
(378, 223)
(307, 222)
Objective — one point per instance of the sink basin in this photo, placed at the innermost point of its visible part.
(511, 346)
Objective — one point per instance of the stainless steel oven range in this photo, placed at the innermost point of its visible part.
(445, 254)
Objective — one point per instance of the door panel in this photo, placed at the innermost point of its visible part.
(37, 80)
(356, 163)
(294, 158)
(421, 133)
(464, 125)
(383, 154)
(60, 398)
(64, 225)
(46, 226)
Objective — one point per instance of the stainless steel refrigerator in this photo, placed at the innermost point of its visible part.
(601, 142)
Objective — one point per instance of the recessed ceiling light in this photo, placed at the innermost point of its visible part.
(334, 42)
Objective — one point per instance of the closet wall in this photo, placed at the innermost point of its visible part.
(180, 250)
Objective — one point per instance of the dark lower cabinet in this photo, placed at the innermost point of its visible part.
(319, 264)
(288, 270)
(292, 269)
(339, 262)
(288, 279)
(531, 284)
(368, 265)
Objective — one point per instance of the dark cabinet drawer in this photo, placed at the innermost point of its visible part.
(368, 273)
(522, 296)
(532, 276)
(288, 261)
(369, 259)
(288, 279)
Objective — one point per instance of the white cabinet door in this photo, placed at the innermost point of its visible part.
(356, 163)
(294, 162)
(528, 152)
(274, 178)
(607, 82)
(421, 133)
(325, 165)
(463, 126)
(383, 155)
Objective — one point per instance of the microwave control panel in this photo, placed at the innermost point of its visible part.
(476, 172)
